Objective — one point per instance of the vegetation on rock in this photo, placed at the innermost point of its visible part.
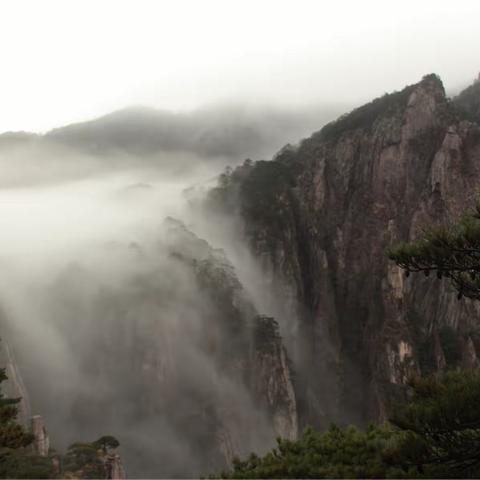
(451, 252)
(88, 460)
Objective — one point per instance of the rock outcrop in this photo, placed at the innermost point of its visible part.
(113, 467)
(319, 218)
(41, 441)
(272, 378)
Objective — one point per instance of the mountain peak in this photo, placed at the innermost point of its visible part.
(429, 90)
(432, 85)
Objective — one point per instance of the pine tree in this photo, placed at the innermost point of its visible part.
(12, 435)
(16, 457)
(451, 252)
(441, 423)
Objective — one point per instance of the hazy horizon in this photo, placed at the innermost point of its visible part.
(71, 62)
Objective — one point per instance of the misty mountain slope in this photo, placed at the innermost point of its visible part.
(155, 142)
(234, 132)
(158, 344)
(320, 217)
(12, 139)
(468, 102)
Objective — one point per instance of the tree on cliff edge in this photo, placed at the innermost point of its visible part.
(16, 459)
(12, 435)
(451, 252)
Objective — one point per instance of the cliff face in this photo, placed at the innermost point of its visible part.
(320, 217)
(251, 399)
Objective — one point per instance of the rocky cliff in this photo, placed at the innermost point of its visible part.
(320, 217)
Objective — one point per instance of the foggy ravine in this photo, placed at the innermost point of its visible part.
(111, 331)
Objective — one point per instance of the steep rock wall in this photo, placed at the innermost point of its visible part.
(320, 217)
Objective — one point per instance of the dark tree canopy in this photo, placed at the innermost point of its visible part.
(451, 252)
(336, 453)
(442, 425)
(106, 442)
(434, 434)
(12, 435)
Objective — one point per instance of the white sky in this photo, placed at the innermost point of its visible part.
(69, 60)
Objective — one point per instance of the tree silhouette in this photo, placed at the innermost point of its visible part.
(451, 252)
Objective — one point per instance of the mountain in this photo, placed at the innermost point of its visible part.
(219, 134)
(234, 132)
(319, 218)
(162, 341)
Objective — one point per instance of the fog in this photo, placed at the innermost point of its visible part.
(156, 142)
(110, 326)
(128, 305)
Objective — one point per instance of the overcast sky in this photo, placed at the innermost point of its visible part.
(70, 60)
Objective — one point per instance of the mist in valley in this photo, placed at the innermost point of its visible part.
(102, 304)
(133, 308)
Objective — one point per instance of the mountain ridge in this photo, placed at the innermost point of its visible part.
(233, 131)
